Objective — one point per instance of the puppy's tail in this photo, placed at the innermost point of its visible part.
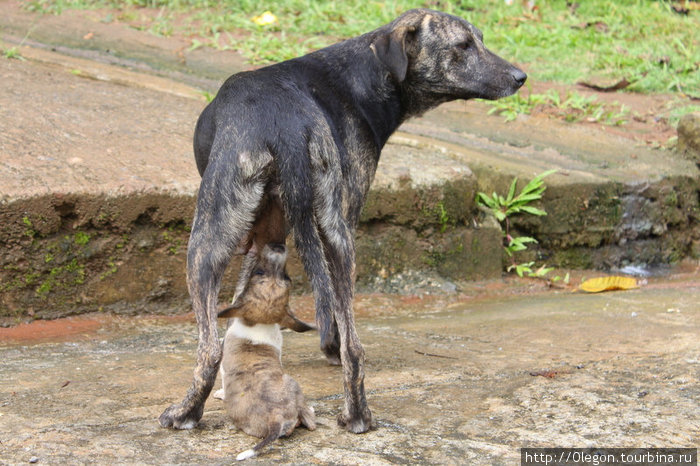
(274, 434)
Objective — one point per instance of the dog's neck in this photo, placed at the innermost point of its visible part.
(259, 334)
(356, 70)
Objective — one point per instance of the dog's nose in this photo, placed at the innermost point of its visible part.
(519, 76)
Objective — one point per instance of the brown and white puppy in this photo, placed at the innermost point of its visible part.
(261, 399)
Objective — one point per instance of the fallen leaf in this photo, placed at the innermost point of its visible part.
(265, 19)
(596, 285)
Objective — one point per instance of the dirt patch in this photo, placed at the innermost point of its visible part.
(53, 330)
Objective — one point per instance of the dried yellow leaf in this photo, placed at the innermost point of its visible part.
(596, 285)
(265, 19)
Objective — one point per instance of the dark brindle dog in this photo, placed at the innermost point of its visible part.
(296, 145)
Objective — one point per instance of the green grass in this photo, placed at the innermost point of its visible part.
(643, 41)
(10, 53)
(573, 107)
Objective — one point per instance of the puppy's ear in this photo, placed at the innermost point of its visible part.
(390, 49)
(231, 311)
(291, 322)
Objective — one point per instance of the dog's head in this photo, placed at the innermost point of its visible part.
(441, 57)
(265, 300)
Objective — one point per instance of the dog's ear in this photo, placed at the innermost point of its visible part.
(390, 49)
(291, 322)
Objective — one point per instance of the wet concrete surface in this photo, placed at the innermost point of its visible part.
(450, 379)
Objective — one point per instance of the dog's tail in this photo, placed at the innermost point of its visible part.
(274, 434)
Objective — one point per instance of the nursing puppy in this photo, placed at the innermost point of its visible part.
(261, 399)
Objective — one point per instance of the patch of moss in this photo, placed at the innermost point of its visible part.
(81, 238)
(29, 231)
(574, 258)
(64, 276)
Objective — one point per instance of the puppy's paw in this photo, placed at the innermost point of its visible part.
(356, 424)
(178, 417)
(219, 394)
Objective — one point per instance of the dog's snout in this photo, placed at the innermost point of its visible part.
(519, 76)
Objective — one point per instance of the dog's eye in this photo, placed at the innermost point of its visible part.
(259, 272)
(463, 45)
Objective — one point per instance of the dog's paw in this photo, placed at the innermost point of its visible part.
(358, 424)
(179, 418)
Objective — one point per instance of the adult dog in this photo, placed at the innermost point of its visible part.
(296, 145)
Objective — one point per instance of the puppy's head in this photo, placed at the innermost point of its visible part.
(265, 300)
(440, 57)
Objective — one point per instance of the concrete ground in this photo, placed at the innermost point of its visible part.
(459, 380)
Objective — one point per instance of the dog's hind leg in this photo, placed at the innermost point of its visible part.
(356, 416)
(339, 248)
(326, 246)
(228, 199)
(330, 308)
(249, 262)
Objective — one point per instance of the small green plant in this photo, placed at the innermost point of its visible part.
(443, 218)
(517, 104)
(174, 243)
(208, 96)
(505, 207)
(122, 242)
(81, 239)
(111, 270)
(12, 52)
